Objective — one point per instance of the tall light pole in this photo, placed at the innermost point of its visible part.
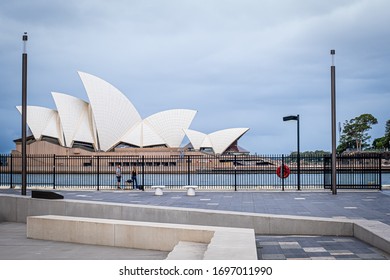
(296, 118)
(333, 105)
(24, 115)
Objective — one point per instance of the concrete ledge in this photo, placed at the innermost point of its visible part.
(373, 232)
(261, 223)
(143, 235)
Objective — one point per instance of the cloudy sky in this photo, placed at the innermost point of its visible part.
(239, 63)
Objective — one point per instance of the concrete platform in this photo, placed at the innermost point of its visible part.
(347, 205)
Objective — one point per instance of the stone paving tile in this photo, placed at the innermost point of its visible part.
(372, 256)
(273, 257)
(340, 252)
(322, 258)
(314, 249)
(289, 245)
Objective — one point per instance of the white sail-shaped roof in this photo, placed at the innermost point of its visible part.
(196, 138)
(170, 125)
(150, 137)
(43, 122)
(113, 113)
(134, 135)
(207, 143)
(75, 119)
(222, 139)
(219, 141)
(142, 135)
(86, 131)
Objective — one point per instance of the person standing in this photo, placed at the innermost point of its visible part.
(134, 178)
(118, 174)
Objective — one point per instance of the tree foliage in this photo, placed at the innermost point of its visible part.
(383, 142)
(354, 134)
(308, 156)
(315, 153)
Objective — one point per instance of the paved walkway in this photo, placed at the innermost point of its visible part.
(373, 205)
(316, 248)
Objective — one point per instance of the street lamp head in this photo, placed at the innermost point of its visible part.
(25, 38)
(296, 118)
(332, 52)
(291, 118)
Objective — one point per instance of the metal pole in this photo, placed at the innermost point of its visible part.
(282, 172)
(296, 118)
(235, 172)
(54, 171)
(188, 170)
(333, 101)
(98, 173)
(380, 172)
(298, 156)
(12, 172)
(24, 115)
(143, 171)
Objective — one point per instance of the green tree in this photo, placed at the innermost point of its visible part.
(379, 143)
(345, 145)
(383, 142)
(387, 135)
(354, 134)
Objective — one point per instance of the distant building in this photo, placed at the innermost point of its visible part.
(111, 123)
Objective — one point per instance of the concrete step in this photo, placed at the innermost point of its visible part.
(185, 250)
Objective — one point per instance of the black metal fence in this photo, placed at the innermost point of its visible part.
(242, 172)
(360, 171)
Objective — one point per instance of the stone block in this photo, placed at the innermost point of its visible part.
(309, 226)
(374, 233)
(68, 229)
(8, 208)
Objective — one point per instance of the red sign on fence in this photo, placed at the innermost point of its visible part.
(286, 171)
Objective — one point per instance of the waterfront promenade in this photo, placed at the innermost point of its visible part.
(370, 205)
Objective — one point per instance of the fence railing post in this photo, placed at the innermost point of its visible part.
(143, 171)
(54, 171)
(12, 172)
(188, 170)
(380, 171)
(282, 172)
(235, 172)
(98, 172)
(327, 174)
(324, 170)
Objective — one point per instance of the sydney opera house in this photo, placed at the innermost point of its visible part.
(109, 123)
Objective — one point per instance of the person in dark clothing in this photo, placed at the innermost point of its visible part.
(134, 178)
(118, 174)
